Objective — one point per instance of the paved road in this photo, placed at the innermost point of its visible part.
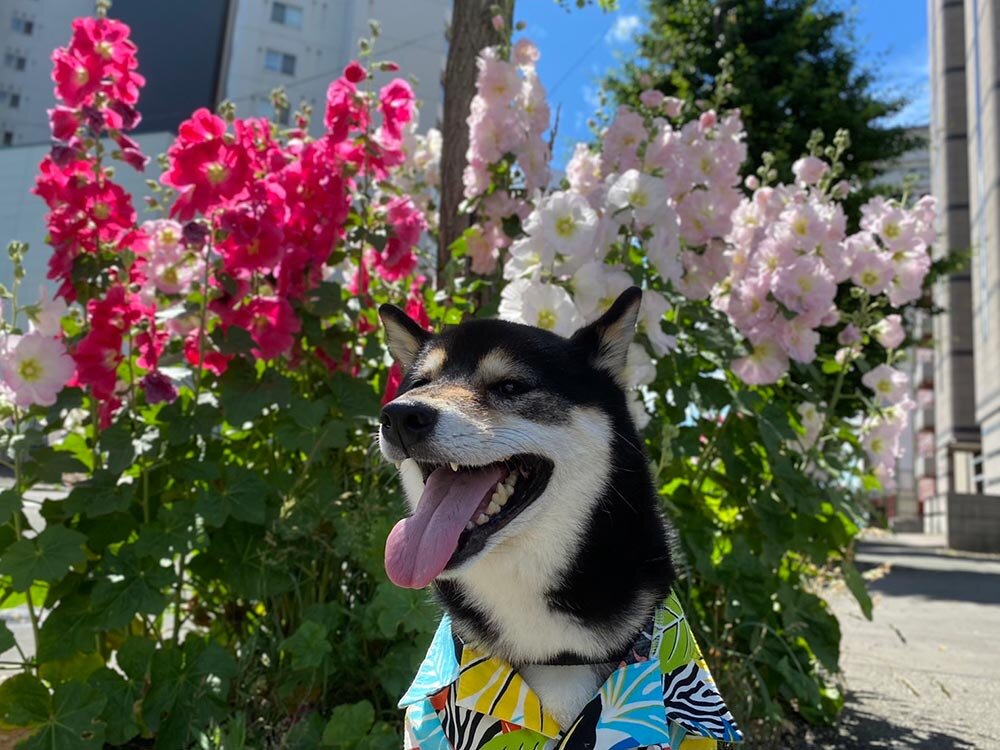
(925, 672)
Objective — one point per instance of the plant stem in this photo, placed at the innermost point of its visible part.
(203, 317)
(178, 598)
(18, 532)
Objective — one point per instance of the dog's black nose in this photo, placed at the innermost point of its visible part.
(408, 423)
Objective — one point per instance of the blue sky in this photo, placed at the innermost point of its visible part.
(579, 46)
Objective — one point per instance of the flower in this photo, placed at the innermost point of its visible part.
(46, 318)
(158, 388)
(889, 331)
(396, 103)
(644, 194)
(35, 368)
(765, 364)
(809, 169)
(564, 224)
(888, 384)
(539, 304)
(597, 285)
(651, 311)
(812, 421)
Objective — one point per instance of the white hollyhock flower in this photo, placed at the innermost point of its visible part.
(596, 286)
(645, 194)
(35, 368)
(640, 369)
(536, 303)
(637, 408)
(664, 247)
(651, 311)
(527, 257)
(565, 223)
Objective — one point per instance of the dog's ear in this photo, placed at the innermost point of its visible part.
(403, 335)
(605, 341)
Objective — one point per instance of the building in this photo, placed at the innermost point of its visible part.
(197, 53)
(965, 174)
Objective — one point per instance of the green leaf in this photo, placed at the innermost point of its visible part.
(10, 503)
(348, 725)
(45, 558)
(49, 465)
(135, 656)
(353, 397)
(244, 497)
(119, 710)
(24, 701)
(117, 441)
(7, 639)
(856, 584)
(308, 645)
(74, 722)
(521, 739)
(99, 496)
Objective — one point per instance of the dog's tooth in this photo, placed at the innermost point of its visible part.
(399, 465)
(503, 500)
(470, 526)
(495, 497)
(503, 491)
(483, 518)
(493, 508)
(454, 466)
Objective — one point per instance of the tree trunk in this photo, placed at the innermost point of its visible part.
(471, 30)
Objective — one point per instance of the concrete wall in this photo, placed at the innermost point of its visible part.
(974, 522)
(413, 35)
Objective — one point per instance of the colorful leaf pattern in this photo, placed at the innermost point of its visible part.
(662, 695)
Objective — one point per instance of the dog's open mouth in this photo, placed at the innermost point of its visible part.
(460, 508)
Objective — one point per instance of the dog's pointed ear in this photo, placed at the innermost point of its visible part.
(606, 340)
(403, 335)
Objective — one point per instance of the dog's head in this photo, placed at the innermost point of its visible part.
(503, 434)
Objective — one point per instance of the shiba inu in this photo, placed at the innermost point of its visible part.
(535, 522)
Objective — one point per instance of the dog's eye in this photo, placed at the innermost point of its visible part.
(511, 388)
(419, 382)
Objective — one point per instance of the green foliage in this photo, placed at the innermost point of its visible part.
(790, 66)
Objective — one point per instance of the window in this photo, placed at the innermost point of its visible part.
(8, 138)
(22, 26)
(15, 61)
(15, 101)
(287, 15)
(279, 62)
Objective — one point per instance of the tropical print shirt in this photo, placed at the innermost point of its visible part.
(661, 696)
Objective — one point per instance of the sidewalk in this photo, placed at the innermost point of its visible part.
(925, 672)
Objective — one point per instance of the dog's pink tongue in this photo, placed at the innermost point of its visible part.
(419, 547)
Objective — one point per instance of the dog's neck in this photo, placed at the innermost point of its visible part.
(573, 589)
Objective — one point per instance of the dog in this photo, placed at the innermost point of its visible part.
(535, 522)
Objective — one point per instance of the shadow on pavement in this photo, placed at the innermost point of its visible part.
(881, 550)
(860, 728)
(947, 585)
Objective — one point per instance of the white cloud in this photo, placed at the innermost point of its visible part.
(623, 29)
(906, 75)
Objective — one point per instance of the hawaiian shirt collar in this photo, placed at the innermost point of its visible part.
(660, 693)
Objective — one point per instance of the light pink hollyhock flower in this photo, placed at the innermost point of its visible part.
(872, 271)
(798, 339)
(664, 249)
(476, 178)
(536, 303)
(907, 284)
(482, 254)
(46, 319)
(498, 23)
(889, 331)
(651, 98)
(672, 106)
(888, 384)
(583, 171)
(801, 227)
(849, 336)
(702, 272)
(842, 189)
(809, 170)
(622, 140)
(707, 120)
(645, 194)
(498, 81)
(534, 103)
(881, 441)
(749, 306)
(526, 53)
(764, 365)
(533, 158)
(35, 368)
(751, 182)
(805, 286)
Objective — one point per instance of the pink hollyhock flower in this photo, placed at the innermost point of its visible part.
(651, 98)
(415, 307)
(888, 384)
(583, 171)
(97, 357)
(809, 170)
(622, 140)
(672, 106)
(35, 368)
(749, 306)
(407, 223)
(345, 110)
(64, 122)
(77, 78)
(158, 388)
(392, 381)
(907, 283)
(355, 72)
(889, 331)
(798, 339)
(497, 82)
(255, 239)
(213, 361)
(272, 324)
(482, 253)
(205, 166)
(497, 22)
(765, 364)
(396, 104)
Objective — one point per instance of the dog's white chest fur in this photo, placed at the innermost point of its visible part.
(563, 691)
